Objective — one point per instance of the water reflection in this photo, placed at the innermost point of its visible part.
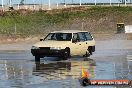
(26, 74)
(15, 69)
(14, 74)
(64, 69)
(123, 69)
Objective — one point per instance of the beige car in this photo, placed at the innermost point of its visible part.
(64, 44)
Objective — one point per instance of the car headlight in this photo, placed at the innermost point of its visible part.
(34, 47)
(55, 48)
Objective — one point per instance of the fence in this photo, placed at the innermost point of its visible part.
(58, 4)
(30, 25)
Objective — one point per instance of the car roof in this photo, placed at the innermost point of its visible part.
(68, 31)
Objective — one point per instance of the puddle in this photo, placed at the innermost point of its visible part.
(18, 69)
(58, 74)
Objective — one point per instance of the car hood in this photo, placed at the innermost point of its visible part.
(51, 43)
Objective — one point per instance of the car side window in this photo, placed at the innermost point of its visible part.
(81, 36)
(88, 36)
(75, 36)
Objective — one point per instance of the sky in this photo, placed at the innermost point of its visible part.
(59, 1)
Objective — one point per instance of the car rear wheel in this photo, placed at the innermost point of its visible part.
(87, 54)
(90, 50)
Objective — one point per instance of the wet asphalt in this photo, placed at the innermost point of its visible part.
(19, 70)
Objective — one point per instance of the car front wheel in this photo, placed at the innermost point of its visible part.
(66, 54)
(37, 59)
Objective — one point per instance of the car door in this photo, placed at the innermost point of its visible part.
(78, 48)
(88, 39)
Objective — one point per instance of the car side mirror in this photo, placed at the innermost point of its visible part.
(41, 39)
(74, 40)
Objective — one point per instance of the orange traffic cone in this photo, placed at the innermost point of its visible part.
(84, 81)
(84, 74)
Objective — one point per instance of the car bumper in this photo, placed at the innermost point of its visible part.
(42, 52)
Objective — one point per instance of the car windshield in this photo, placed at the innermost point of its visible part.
(59, 36)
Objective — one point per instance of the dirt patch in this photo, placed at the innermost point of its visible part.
(129, 36)
(8, 39)
(112, 36)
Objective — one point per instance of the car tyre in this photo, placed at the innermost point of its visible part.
(87, 54)
(90, 50)
(66, 54)
(37, 59)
